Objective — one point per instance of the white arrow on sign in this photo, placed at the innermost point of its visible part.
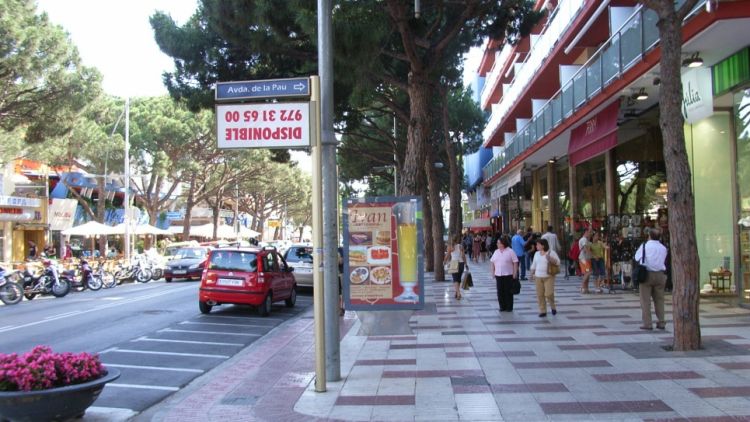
(299, 86)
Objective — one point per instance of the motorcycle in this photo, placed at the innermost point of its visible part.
(140, 271)
(88, 279)
(48, 282)
(10, 291)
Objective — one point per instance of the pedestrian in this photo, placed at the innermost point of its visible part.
(68, 253)
(504, 266)
(456, 260)
(476, 247)
(468, 244)
(597, 261)
(32, 250)
(551, 238)
(584, 259)
(653, 288)
(529, 247)
(545, 283)
(517, 244)
(50, 251)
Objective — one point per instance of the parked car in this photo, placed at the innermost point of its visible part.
(300, 257)
(247, 276)
(171, 250)
(186, 263)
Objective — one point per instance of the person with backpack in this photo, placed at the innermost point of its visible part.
(573, 257)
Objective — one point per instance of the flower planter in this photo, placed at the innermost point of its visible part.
(54, 404)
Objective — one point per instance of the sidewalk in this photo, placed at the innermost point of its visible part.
(466, 361)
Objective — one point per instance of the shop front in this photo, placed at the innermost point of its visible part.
(21, 221)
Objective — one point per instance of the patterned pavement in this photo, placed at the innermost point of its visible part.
(467, 361)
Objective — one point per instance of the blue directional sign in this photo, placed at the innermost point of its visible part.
(273, 88)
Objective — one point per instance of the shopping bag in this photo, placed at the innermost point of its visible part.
(553, 269)
(466, 282)
(453, 267)
(516, 286)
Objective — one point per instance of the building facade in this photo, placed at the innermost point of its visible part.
(575, 136)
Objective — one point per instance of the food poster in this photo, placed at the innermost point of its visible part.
(383, 254)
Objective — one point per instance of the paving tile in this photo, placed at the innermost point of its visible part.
(534, 339)
(742, 391)
(562, 364)
(646, 376)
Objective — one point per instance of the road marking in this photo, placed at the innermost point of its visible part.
(112, 298)
(239, 317)
(7, 326)
(213, 343)
(145, 387)
(223, 333)
(157, 368)
(148, 352)
(95, 309)
(67, 314)
(223, 324)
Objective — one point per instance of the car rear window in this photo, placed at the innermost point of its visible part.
(190, 253)
(233, 261)
(299, 254)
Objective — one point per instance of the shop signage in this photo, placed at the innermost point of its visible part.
(17, 201)
(263, 125)
(19, 214)
(697, 97)
(383, 254)
(594, 136)
(61, 214)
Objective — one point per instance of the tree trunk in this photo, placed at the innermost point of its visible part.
(454, 222)
(427, 233)
(215, 213)
(417, 133)
(433, 195)
(685, 261)
(188, 210)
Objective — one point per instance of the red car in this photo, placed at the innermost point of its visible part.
(246, 276)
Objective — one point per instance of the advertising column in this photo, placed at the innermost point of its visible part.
(383, 253)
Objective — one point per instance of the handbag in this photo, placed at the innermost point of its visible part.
(466, 280)
(453, 267)
(552, 269)
(640, 272)
(516, 286)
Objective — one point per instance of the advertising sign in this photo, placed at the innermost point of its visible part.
(697, 96)
(263, 125)
(61, 214)
(383, 254)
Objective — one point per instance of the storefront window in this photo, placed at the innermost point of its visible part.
(2, 244)
(563, 189)
(592, 198)
(641, 179)
(742, 122)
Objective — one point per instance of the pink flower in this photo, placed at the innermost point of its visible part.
(41, 369)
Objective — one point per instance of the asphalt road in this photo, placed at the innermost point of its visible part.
(152, 333)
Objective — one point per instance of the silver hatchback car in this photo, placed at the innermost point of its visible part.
(300, 257)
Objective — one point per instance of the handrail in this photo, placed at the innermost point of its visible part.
(554, 111)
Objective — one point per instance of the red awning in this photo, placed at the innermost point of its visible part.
(595, 136)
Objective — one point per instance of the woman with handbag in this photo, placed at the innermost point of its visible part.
(543, 270)
(504, 266)
(456, 260)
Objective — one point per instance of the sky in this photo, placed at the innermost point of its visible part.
(116, 38)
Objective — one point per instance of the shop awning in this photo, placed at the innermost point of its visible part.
(478, 224)
(594, 136)
(506, 182)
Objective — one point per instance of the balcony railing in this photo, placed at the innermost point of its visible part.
(561, 18)
(500, 58)
(622, 51)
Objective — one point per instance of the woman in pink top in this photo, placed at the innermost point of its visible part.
(504, 266)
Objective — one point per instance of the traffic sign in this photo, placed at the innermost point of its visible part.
(272, 88)
(263, 125)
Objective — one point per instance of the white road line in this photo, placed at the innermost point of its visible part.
(222, 333)
(212, 343)
(6, 327)
(239, 317)
(67, 314)
(223, 324)
(148, 352)
(156, 368)
(144, 387)
(94, 309)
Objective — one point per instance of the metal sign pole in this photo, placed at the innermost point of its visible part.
(317, 226)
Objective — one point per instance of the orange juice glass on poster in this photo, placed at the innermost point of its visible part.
(406, 236)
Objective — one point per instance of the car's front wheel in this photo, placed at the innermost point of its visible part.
(292, 299)
(168, 279)
(204, 307)
(265, 307)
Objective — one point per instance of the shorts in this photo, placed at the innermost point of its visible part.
(599, 270)
(585, 265)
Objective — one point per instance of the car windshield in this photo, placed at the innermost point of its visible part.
(299, 254)
(190, 253)
(233, 261)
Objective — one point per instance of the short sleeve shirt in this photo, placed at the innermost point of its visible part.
(503, 261)
(585, 254)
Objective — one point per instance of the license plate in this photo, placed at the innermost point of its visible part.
(303, 270)
(179, 272)
(229, 282)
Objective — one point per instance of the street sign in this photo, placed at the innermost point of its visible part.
(263, 125)
(272, 88)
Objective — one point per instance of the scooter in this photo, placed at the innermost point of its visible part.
(48, 282)
(10, 291)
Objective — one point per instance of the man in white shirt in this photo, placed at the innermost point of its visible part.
(584, 259)
(552, 239)
(653, 288)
